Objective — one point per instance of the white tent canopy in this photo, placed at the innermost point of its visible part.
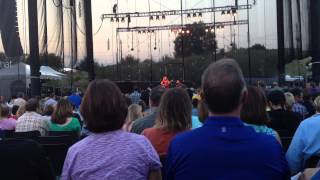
(24, 70)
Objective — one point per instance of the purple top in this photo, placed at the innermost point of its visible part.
(111, 155)
(8, 124)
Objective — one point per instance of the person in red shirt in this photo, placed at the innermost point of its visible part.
(165, 82)
(174, 116)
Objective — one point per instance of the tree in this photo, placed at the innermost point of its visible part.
(197, 42)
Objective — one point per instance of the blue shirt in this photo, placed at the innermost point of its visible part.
(299, 108)
(305, 143)
(224, 148)
(75, 100)
(135, 97)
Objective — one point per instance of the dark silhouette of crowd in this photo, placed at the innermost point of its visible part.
(225, 129)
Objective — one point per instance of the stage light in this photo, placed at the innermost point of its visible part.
(152, 31)
(223, 13)
(182, 31)
(112, 20)
(222, 27)
(194, 15)
(234, 12)
(123, 20)
(144, 31)
(157, 17)
(151, 18)
(207, 30)
(188, 31)
(228, 12)
(218, 27)
(139, 32)
(200, 14)
(179, 30)
(188, 15)
(117, 19)
(212, 30)
(132, 49)
(163, 17)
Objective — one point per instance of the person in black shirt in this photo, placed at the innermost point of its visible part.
(285, 122)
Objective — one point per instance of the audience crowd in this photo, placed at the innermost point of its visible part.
(225, 129)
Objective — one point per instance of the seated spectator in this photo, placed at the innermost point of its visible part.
(75, 99)
(308, 103)
(149, 121)
(135, 96)
(298, 106)
(174, 117)
(254, 113)
(14, 110)
(24, 159)
(109, 153)
(281, 119)
(62, 118)
(51, 101)
(305, 142)
(31, 120)
(224, 148)
(134, 113)
(6, 123)
(289, 101)
(21, 110)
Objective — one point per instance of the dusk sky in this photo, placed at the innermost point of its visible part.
(262, 22)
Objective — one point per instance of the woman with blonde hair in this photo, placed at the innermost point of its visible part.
(134, 113)
(174, 117)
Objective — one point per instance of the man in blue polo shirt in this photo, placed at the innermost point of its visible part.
(224, 148)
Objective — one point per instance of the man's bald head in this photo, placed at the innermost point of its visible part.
(223, 85)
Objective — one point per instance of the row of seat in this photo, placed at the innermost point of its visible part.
(56, 144)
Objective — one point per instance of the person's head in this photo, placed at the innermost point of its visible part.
(155, 96)
(306, 95)
(254, 109)
(276, 98)
(317, 104)
(62, 112)
(134, 112)
(32, 105)
(174, 113)
(289, 100)
(297, 93)
(14, 109)
(48, 110)
(4, 111)
(224, 88)
(21, 111)
(103, 113)
(275, 84)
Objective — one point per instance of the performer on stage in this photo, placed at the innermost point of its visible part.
(165, 82)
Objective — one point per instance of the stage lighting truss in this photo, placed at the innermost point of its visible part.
(190, 13)
(185, 29)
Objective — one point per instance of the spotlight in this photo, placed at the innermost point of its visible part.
(223, 13)
(123, 20)
(228, 12)
(234, 12)
(157, 17)
(218, 27)
(188, 15)
(151, 18)
(117, 19)
(144, 31)
(188, 31)
(207, 30)
(163, 17)
(179, 30)
(194, 15)
(139, 32)
(149, 31)
(200, 14)
(212, 30)
(182, 31)
(152, 31)
(112, 20)
(222, 27)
